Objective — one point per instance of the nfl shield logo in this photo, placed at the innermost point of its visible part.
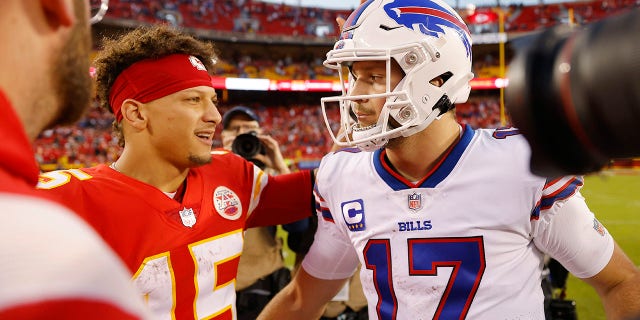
(415, 201)
(188, 217)
(598, 227)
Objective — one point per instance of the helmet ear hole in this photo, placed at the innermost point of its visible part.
(441, 79)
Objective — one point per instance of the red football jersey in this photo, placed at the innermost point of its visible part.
(183, 255)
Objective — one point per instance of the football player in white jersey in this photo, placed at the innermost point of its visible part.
(447, 221)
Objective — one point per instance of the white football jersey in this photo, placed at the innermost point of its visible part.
(467, 241)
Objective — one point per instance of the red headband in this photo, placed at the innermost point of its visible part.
(151, 79)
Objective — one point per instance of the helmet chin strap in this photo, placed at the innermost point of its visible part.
(439, 109)
(444, 105)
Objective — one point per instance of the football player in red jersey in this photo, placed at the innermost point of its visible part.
(172, 208)
(52, 264)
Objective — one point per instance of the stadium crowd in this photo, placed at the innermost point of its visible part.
(242, 16)
(299, 129)
(308, 67)
(252, 16)
(261, 18)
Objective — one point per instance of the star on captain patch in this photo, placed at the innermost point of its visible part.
(415, 201)
(188, 217)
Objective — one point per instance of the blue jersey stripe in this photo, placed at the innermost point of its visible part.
(565, 192)
(443, 169)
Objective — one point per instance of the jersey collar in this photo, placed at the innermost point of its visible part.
(437, 175)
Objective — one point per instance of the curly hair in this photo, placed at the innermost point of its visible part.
(141, 44)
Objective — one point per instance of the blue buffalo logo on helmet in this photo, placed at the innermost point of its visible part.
(428, 17)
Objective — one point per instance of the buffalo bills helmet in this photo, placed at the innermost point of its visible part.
(427, 39)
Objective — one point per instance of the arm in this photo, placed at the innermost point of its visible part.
(286, 198)
(273, 158)
(331, 256)
(570, 233)
(304, 297)
(618, 285)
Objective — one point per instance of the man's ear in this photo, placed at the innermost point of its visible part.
(59, 13)
(133, 113)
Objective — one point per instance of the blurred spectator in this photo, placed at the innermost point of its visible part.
(261, 270)
(280, 19)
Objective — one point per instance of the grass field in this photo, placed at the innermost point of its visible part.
(615, 200)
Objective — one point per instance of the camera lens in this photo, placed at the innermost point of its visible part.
(247, 145)
(574, 95)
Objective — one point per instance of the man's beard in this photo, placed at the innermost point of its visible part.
(199, 160)
(71, 79)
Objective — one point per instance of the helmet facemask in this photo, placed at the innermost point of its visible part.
(397, 109)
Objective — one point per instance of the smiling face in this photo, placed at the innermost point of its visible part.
(181, 125)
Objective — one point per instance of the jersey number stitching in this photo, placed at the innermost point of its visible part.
(53, 179)
(465, 255)
(156, 277)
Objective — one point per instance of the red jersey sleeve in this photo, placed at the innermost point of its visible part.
(286, 198)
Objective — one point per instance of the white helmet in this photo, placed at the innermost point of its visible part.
(427, 38)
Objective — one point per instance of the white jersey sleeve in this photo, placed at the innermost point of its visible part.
(569, 232)
(330, 259)
(332, 255)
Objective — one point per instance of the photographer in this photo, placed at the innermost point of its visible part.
(255, 146)
(261, 271)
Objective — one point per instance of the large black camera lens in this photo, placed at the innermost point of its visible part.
(247, 145)
(575, 95)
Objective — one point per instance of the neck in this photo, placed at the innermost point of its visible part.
(32, 115)
(415, 156)
(160, 174)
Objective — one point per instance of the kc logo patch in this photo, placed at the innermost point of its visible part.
(227, 203)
